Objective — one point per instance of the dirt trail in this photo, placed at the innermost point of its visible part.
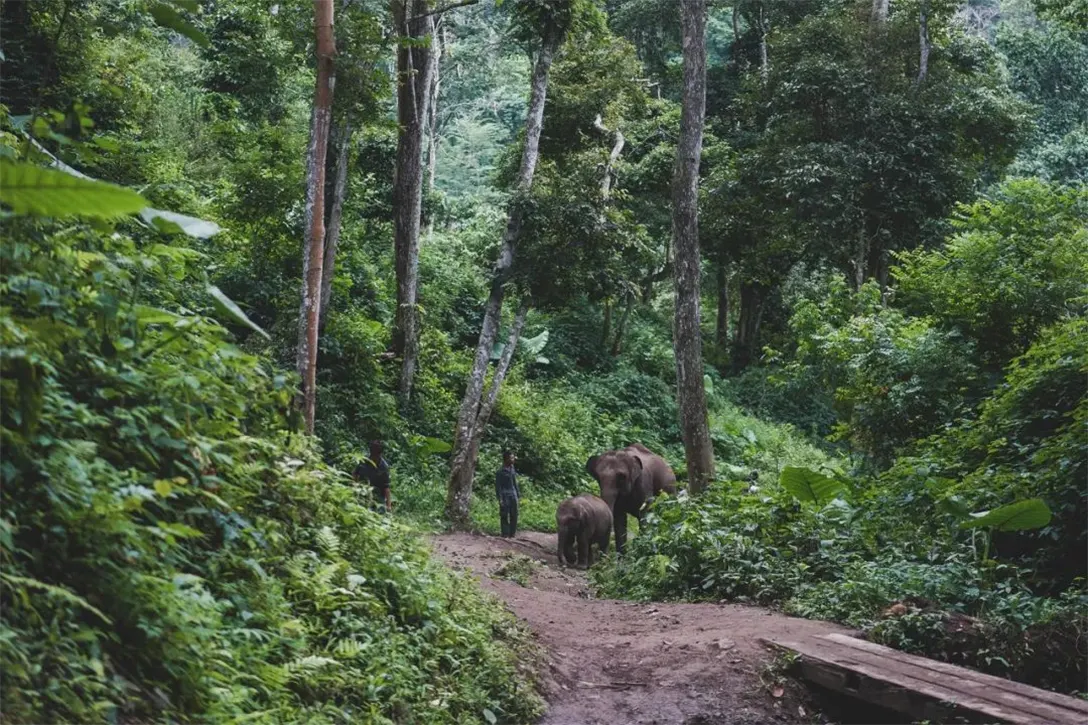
(623, 663)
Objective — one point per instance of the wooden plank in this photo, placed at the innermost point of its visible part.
(944, 668)
(900, 687)
(893, 690)
(957, 680)
(1078, 706)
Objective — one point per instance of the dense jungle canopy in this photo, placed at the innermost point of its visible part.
(827, 257)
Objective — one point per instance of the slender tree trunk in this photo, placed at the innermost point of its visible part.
(861, 256)
(621, 328)
(613, 157)
(746, 334)
(432, 122)
(923, 42)
(687, 339)
(606, 327)
(722, 323)
(764, 65)
(462, 458)
(413, 96)
(503, 366)
(313, 259)
(340, 140)
(880, 11)
(489, 402)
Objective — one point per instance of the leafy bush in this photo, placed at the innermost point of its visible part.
(1027, 441)
(895, 378)
(171, 550)
(1017, 265)
(857, 560)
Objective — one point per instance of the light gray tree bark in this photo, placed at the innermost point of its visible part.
(923, 42)
(313, 257)
(463, 457)
(340, 140)
(414, 70)
(687, 339)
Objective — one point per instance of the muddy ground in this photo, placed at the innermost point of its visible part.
(623, 663)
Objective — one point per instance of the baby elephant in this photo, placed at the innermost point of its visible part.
(588, 520)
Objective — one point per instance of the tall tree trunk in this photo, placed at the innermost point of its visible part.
(489, 402)
(313, 258)
(879, 12)
(503, 366)
(861, 256)
(617, 343)
(606, 326)
(764, 65)
(923, 42)
(462, 458)
(687, 339)
(413, 98)
(613, 157)
(746, 334)
(437, 46)
(340, 139)
(721, 331)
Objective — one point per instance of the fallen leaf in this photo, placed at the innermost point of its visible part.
(800, 710)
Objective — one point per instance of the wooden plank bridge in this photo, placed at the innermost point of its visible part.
(924, 688)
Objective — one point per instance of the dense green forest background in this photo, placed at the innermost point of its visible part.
(894, 266)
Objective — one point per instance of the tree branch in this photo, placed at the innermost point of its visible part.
(445, 9)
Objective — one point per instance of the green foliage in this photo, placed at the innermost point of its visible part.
(1016, 264)
(1020, 516)
(850, 563)
(894, 378)
(31, 189)
(165, 534)
(809, 486)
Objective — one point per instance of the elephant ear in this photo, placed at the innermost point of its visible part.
(591, 466)
(634, 468)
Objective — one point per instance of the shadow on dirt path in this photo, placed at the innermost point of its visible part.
(624, 663)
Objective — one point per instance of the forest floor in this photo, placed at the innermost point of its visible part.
(616, 662)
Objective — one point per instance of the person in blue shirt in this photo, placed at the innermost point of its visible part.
(506, 490)
(375, 471)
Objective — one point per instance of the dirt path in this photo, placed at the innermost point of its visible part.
(615, 662)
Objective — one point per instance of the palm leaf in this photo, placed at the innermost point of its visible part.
(38, 191)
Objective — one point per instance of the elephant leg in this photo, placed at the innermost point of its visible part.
(602, 542)
(562, 547)
(583, 550)
(621, 531)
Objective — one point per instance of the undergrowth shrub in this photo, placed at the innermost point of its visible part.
(172, 550)
(852, 562)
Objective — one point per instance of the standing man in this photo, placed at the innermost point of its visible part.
(375, 471)
(506, 489)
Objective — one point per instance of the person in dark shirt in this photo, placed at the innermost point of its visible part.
(506, 490)
(375, 471)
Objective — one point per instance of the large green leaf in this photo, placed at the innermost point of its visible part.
(228, 307)
(535, 345)
(426, 446)
(168, 17)
(38, 191)
(809, 486)
(1032, 513)
(173, 222)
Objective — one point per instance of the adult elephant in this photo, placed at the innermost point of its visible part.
(629, 478)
